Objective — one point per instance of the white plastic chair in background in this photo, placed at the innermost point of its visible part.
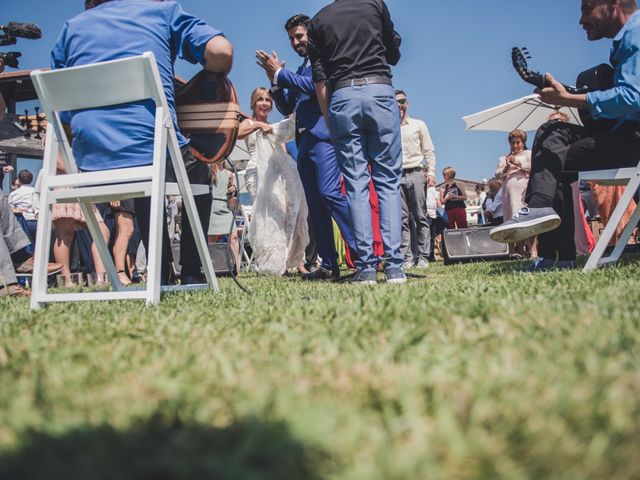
(619, 176)
(98, 85)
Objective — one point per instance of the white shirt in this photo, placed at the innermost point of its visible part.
(22, 198)
(417, 146)
(432, 202)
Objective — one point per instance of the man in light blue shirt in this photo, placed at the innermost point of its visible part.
(122, 136)
(561, 149)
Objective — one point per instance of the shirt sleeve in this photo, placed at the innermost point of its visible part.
(624, 98)
(390, 37)
(428, 151)
(313, 50)
(189, 34)
(58, 54)
(59, 60)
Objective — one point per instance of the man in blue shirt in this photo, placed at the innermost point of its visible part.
(317, 163)
(561, 149)
(122, 136)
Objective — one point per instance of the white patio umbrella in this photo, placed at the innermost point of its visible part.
(526, 113)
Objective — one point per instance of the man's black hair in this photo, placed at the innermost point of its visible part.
(296, 21)
(25, 177)
(93, 3)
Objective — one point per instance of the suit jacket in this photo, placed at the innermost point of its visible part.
(297, 93)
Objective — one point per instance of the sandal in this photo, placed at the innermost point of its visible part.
(124, 278)
(14, 290)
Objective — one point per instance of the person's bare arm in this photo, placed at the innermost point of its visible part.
(248, 126)
(218, 55)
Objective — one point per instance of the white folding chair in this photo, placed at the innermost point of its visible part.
(620, 176)
(98, 85)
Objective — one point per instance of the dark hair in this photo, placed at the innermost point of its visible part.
(401, 92)
(93, 3)
(297, 20)
(25, 177)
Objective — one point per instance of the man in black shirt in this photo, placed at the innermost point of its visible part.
(351, 44)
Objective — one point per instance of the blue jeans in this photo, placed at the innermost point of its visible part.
(365, 128)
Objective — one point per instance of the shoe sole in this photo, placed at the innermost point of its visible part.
(525, 230)
(397, 281)
(366, 283)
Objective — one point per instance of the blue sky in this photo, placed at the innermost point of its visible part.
(455, 55)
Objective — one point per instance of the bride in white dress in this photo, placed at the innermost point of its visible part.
(278, 231)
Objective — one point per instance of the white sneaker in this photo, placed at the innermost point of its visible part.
(406, 266)
(423, 264)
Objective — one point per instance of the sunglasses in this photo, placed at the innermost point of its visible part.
(403, 101)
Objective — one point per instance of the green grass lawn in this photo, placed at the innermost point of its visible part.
(470, 372)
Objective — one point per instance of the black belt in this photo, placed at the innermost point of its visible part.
(411, 170)
(358, 82)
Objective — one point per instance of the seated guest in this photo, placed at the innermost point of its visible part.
(13, 255)
(123, 136)
(15, 184)
(222, 222)
(453, 198)
(561, 149)
(21, 202)
(492, 206)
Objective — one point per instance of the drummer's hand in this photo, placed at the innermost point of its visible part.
(554, 94)
(7, 169)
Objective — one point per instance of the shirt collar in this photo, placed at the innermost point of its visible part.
(406, 120)
(633, 21)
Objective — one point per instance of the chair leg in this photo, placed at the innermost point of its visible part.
(603, 242)
(41, 253)
(626, 235)
(154, 256)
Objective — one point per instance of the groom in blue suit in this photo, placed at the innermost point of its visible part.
(317, 164)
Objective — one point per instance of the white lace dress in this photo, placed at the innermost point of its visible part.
(278, 231)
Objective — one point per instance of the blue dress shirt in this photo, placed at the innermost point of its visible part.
(122, 136)
(622, 102)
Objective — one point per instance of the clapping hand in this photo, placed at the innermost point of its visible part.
(270, 63)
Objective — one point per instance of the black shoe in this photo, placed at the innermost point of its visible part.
(322, 274)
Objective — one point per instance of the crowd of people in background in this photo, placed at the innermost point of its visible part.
(348, 176)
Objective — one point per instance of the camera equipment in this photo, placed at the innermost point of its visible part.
(14, 30)
(10, 59)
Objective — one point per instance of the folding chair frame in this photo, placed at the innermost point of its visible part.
(100, 186)
(622, 176)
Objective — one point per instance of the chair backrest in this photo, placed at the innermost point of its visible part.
(100, 84)
(96, 85)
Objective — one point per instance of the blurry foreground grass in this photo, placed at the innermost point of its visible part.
(471, 372)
